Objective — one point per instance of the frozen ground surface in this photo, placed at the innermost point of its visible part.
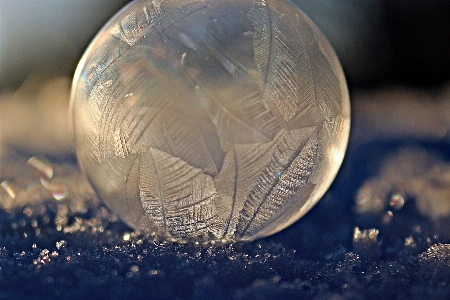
(75, 248)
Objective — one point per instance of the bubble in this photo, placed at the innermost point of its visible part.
(58, 189)
(210, 120)
(59, 192)
(9, 188)
(40, 167)
(397, 201)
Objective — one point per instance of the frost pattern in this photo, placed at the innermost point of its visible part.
(290, 167)
(283, 62)
(177, 197)
(156, 14)
(232, 129)
(213, 117)
(242, 167)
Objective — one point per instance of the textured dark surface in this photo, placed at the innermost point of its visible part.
(93, 255)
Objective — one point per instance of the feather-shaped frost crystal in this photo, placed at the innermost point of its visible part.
(210, 120)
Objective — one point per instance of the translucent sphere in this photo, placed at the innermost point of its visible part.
(210, 120)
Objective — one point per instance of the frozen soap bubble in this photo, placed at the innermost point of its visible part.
(210, 120)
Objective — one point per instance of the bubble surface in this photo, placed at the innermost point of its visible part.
(210, 120)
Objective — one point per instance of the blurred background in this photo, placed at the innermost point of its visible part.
(380, 43)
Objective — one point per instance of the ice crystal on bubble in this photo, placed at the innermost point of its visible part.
(214, 120)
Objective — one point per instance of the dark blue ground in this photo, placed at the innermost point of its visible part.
(313, 259)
